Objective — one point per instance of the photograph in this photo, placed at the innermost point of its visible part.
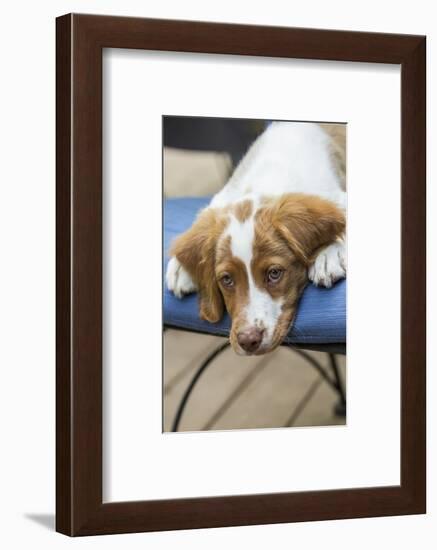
(254, 267)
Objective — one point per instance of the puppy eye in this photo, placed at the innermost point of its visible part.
(274, 275)
(227, 280)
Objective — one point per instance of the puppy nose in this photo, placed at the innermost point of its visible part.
(250, 339)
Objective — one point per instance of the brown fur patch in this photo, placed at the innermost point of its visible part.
(243, 210)
(337, 149)
(196, 249)
(236, 297)
(305, 222)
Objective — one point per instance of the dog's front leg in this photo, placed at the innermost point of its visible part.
(330, 265)
(178, 279)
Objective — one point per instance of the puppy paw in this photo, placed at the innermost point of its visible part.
(178, 279)
(329, 266)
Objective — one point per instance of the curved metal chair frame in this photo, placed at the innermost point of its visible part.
(334, 380)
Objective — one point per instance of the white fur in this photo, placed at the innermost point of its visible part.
(329, 266)
(178, 279)
(289, 157)
(242, 236)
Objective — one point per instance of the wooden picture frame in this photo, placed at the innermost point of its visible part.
(79, 507)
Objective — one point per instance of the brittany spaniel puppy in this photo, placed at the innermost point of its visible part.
(279, 221)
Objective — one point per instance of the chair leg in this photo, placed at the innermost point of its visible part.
(335, 382)
(192, 384)
(340, 407)
(314, 363)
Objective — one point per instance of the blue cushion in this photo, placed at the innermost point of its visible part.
(321, 317)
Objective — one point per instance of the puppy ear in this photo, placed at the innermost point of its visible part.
(307, 222)
(195, 249)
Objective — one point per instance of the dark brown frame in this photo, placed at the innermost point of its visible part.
(79, 41)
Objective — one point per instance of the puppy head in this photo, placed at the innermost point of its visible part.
(253, 257)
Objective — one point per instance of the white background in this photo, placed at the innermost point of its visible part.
(27, 316)
(140, 462)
